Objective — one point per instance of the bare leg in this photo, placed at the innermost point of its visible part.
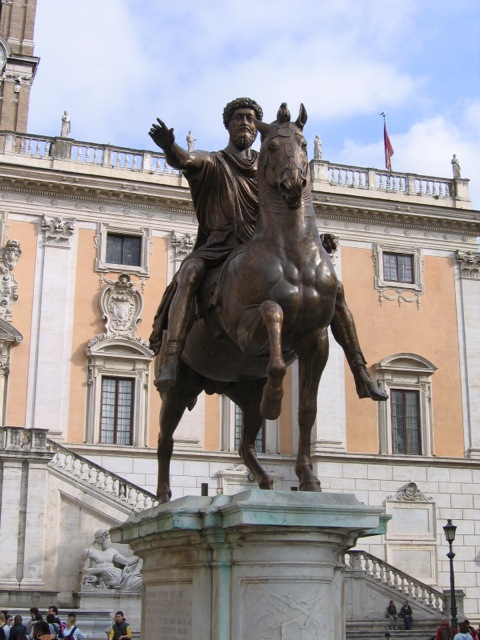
(247, 395)
(180, 320)
(345, 333)
(312, 358)
(174, 402)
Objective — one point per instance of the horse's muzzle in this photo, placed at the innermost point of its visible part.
(292, 185)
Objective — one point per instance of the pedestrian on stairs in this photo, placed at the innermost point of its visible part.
(407, 615)
(391, 612)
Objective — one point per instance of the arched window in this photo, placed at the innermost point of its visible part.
(406, 419)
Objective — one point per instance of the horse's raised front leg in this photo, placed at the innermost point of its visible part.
(312, 357)
(247, 395)
(174, 402)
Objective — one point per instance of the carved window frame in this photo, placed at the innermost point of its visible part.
(118, 357)
(408, 372)
(271, 430)
(392, 289)
(101, 264)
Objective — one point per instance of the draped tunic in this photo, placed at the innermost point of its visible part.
(225, 196)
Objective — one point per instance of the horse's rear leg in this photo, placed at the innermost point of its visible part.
(312, 357)
(247, 395)
(174, 402)
(271, 404)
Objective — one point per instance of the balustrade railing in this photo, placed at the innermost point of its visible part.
(19, 439)
(410, 588)
(87, 153)
(93, 475)
(362, 180)
(338, 175)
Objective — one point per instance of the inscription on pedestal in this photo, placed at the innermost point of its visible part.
(169, 612)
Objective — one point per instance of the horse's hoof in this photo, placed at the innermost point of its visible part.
(368, 388)
(164, 496)
(266, 483)
(311, 485)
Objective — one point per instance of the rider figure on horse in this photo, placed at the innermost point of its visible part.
(225, 196)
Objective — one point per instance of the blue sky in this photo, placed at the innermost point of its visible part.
(115, 65)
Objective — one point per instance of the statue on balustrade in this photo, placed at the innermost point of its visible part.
(457, 170)
(104, 567)
(65, 130)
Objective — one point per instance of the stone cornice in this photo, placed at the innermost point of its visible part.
(396, 215)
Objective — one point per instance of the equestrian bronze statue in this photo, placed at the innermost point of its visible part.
(257, 292)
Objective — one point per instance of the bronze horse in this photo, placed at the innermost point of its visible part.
(272, 301)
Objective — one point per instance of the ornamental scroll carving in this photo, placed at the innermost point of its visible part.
(410, 493)
(121, 304)
(58, 231)
(182, 244)
(469, 263)
(9, 256)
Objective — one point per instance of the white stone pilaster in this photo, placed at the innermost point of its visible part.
(11, 488)
(50, 356)
(468, 311)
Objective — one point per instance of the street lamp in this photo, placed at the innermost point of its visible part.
(450, 529)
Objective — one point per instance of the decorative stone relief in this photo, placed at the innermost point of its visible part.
(410, 493)
(182, 244)
(411, 533)
(105, 568)
(469, 263)
(9, 256)
(121, 305)
(58, 231)
(398, 291)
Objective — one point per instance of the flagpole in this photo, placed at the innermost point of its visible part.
(387, 144)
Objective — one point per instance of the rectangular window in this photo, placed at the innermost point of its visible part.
(398, 267)
(260, 440)
(406, 422)
(123, 249)
(116, 420)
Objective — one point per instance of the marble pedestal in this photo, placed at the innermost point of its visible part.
(258, 565)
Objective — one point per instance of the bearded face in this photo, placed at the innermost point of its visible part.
(242, 128)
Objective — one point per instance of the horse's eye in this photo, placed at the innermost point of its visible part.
(272, 147)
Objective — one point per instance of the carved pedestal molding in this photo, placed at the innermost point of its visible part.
(469, 263)
(259, 564)
(9, 256)
(58, 231)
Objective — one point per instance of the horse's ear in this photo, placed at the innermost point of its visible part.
(302, 117)
(263, 127)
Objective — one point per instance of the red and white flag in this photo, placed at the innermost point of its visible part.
(388, 147)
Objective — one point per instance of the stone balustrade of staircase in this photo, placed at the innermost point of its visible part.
(91, 474)
(406, 586)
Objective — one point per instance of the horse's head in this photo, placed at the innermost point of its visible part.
(283, 162)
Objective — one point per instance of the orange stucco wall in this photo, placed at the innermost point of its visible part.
(88, 323)
(388, 328)
(24, 273)
(286, 417)
(212, 434)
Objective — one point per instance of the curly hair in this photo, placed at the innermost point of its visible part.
(241, 103)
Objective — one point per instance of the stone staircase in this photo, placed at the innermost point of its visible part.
(370, 583)
(95, 478)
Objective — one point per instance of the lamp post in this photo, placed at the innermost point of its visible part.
(450, 529)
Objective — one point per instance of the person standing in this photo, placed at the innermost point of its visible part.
(120, 628)
(71, 631)
(445, 631)
(463, 633)
(18, 631)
